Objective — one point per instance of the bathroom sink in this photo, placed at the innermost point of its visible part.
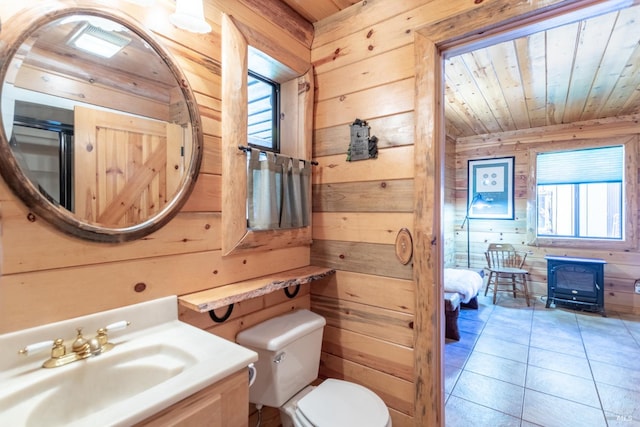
(156, 362)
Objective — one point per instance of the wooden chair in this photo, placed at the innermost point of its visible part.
(505, 266)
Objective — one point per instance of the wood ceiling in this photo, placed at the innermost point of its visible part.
(317, 10)
(582, 71)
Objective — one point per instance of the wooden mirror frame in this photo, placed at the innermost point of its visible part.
(12, 36)
(236, 237)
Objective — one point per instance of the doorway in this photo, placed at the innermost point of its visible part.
(457, 34)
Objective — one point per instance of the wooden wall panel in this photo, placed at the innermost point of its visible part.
(391, 131)
(380, 291)
(449, 225)
(349, 46)
(392, 98)
(247, 313)
(390, 164)
(381, 355)
(60, 277)
(398, 65)
(621, 269)
(370, 227)
(88, 288)
(211, 156)
(369, 33)
(364, 196)
(358, 257)
(188, 232)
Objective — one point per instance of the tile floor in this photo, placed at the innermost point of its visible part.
(531, 366)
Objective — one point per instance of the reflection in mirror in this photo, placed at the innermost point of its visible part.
(100, 130)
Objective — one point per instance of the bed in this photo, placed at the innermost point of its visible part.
(461, 287)
(467, 283)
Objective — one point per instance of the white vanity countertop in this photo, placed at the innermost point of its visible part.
(154, 330)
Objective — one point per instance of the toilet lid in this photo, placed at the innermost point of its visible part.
(339, 403)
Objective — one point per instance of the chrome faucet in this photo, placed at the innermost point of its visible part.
(81, 348)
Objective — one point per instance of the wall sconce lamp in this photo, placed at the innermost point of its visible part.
(189, 16)
(477, 201)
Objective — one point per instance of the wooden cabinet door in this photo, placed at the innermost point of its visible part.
(223, 404)
(126, 167)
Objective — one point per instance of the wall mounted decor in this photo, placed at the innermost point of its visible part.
(362, 146)
(404, 246)
(490, 194)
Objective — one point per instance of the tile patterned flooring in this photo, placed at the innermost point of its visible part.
(531, 366)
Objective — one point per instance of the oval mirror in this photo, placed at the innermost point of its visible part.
(100, 131)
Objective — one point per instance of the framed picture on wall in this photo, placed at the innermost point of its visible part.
(490, 194)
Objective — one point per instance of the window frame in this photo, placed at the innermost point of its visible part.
(297, 94)
(275, 113)
(629, 196)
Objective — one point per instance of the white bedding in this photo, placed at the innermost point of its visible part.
(465, 282)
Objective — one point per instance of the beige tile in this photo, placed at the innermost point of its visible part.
(456, 354)
(572, 346)
(550, 411)
(573, 365)
(502, 347)
(497, 367)
(470, 326)
(561, 385)
(562, 348)
(626, 354)
(489, 392)
(632, 323)
(620, 404)
(556, 330)
(614, 420)
(462, 413)
(625, 378)
(451, 374)
(507, 332)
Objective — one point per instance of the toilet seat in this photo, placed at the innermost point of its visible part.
(337, 403)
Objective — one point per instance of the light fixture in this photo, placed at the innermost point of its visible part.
(190, 16)
(143, 3)
(98, 41)
(477, 202)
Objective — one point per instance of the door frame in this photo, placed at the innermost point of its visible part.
(489, 23)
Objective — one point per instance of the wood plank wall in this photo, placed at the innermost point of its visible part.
(48, 276)
(365, 67)
(622, 268)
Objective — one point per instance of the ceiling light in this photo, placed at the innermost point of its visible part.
(190, 16)
(143, 3)
(97, 41)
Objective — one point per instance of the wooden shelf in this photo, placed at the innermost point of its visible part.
(222, 296)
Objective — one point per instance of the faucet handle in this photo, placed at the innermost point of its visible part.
(117, 326)
(102, 334)
(36, 347)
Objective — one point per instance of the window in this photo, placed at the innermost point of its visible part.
(264, 111)
(579, 193)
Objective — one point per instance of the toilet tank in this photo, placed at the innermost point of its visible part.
(288, 348)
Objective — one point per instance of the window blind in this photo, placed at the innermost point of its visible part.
(604, 164)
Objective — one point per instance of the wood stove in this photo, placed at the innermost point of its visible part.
(577, 282)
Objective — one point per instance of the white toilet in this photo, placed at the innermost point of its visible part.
(288, 348)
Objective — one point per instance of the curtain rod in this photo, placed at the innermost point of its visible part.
(247, 149)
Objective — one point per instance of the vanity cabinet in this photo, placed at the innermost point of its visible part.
(223, 404)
